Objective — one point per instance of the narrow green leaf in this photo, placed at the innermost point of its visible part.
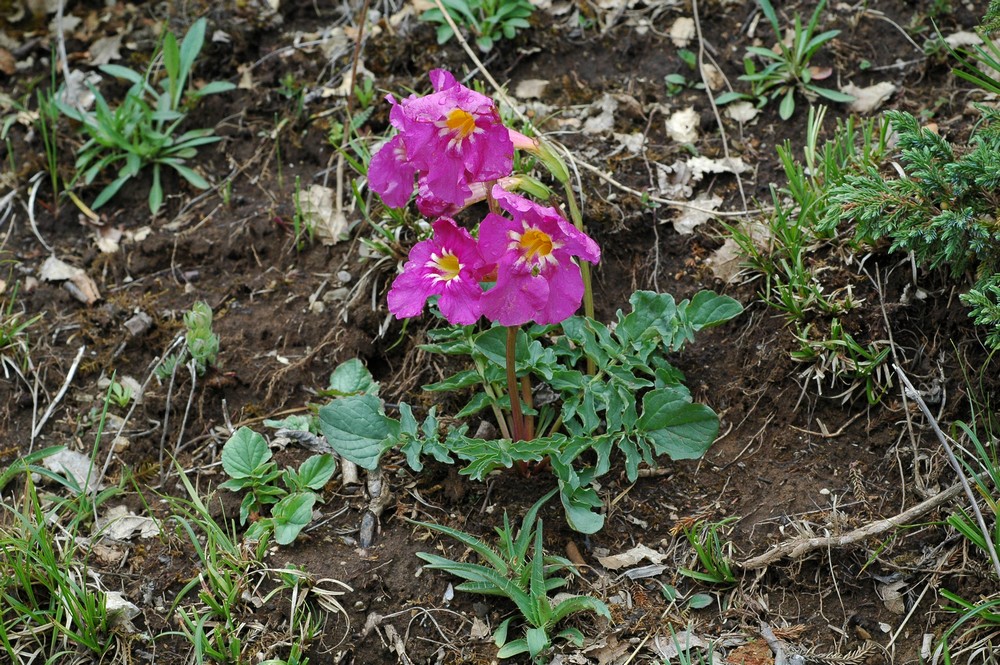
(787, 106)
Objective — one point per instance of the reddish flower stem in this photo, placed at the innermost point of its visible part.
(529, 421)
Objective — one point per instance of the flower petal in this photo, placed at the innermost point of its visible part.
(517, 296)
(565, 293)
(410, 291)
(461, 302)
(390, 174)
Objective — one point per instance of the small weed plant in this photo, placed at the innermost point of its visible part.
(142, 131)
(208, 609)
(201, 346)
(787, 69)
(488, 21)
(518, 569)
(677, 83)
(943, 210)
(975, 616)
(15, 344)
(247, 459)
(712, 551)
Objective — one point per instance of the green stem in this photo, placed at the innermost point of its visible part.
(516, 416)
(577, 218)
(488, 388)
(588, 294)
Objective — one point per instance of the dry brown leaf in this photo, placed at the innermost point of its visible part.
(74, 280)
(682, 31)
(869, 98)
(631, 557)
(8, 65)
(691, 218)
(682, 126)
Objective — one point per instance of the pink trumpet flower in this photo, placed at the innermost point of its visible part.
(537, 278)
(448, 265)
(451, 138)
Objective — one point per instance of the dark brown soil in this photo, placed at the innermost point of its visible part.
(790, 459)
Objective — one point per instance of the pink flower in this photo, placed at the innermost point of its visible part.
(449, 265)
(452, 138)
(537, 279)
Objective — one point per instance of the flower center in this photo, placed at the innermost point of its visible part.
(537, 245)
(446, 265)
(461, 123)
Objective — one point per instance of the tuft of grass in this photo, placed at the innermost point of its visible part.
(786, 251)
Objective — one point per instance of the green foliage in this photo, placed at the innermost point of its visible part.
(47, 604)
(678, 83)
(979, 459)
(15, 346)
(247, 459)
(978, 60)
(519, 570)
(201, 344)
(943, 211)
(119, 394)
(787, 69)
(142, 130)
(714, 554)
(991, 20)
(786, 251)
(47, 124)
(488, 21)
(635, 402)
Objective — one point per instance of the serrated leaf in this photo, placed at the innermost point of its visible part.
(357, 429)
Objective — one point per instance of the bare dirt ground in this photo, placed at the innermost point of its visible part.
(792, 459)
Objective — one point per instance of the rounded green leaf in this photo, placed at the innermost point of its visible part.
(357, 429)
(291, 515)
(244, 452)
(317, 471)
(675, 426)
(352, 378)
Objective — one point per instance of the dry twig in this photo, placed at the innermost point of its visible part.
(799, 547)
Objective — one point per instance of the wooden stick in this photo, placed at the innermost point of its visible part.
(799, 547)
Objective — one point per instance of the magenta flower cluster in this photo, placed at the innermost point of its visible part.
(453, 143)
